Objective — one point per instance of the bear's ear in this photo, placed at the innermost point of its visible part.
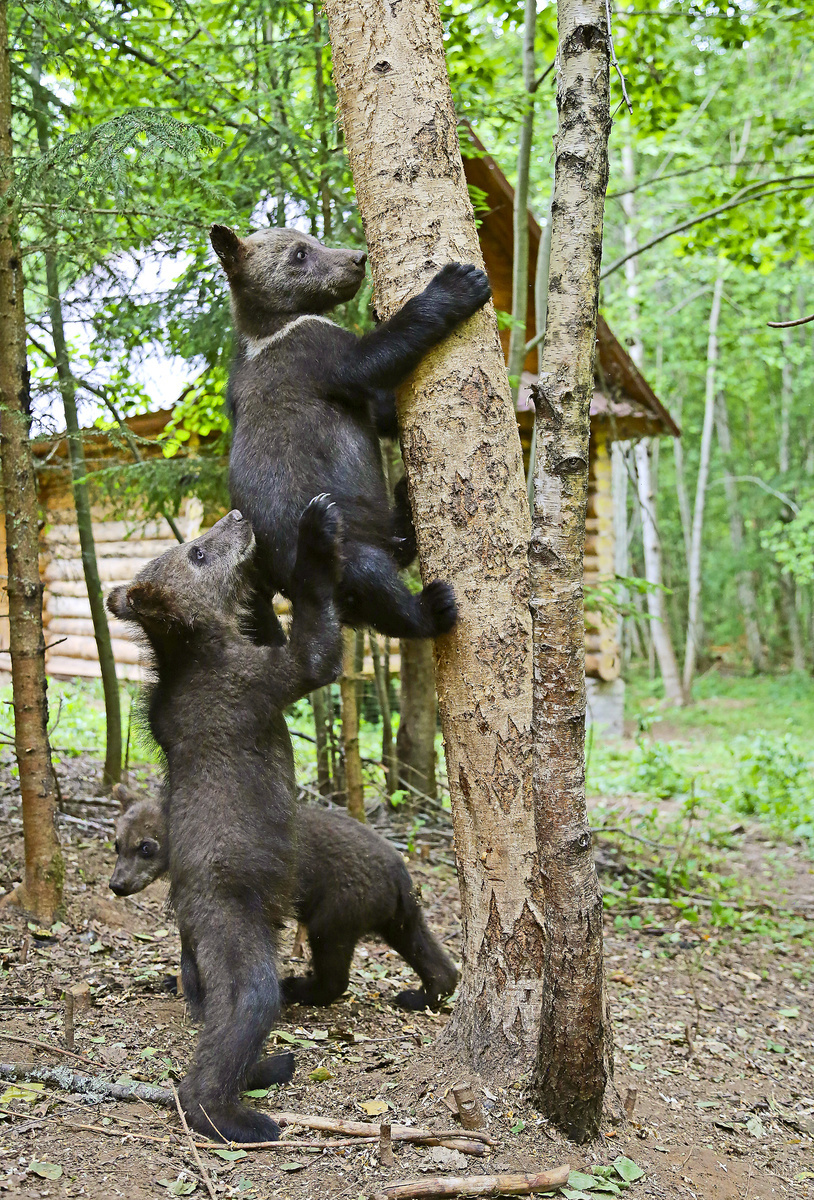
(117, 603)
(125, 797)
(227, 246)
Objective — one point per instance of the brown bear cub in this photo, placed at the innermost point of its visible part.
(215, 710)
(309, 402)
(349, 882)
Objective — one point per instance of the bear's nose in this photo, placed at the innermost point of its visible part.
(360, 259)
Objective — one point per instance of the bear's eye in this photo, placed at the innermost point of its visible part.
(197, 555)
(116, 847)
(301, 254)
(147, 849)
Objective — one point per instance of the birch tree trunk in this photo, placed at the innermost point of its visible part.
(465, 475)
(415, 740)
(575, 1054)
(651, 546)
(41, 890)
(520, 249)
(694, 600)
(745, 581)
(659, 630)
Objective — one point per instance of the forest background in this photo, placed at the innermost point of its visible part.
(134, 130)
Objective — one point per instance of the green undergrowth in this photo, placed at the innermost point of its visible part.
(673, 802)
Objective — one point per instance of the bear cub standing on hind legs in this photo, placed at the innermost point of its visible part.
(310, 400)
(215, 710)
(348, 882)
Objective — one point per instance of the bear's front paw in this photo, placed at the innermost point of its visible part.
(320, 526)
(462, 288)
(438, 601)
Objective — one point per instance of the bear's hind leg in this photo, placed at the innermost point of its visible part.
(241, 1003)
(371, 593)
(410, 936)
(331, 956)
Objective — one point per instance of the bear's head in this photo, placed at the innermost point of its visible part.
(141, 842)
(192, 583)
(279, 271)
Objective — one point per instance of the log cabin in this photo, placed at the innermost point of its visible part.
(623, 407)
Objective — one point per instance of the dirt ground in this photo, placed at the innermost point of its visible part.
(716, 1037)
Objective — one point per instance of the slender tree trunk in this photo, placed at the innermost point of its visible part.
(660, 639)
(745, 582)
(651, 546)
(354, 783)
(789, 593)
(681, 489)
(786, 394)
(694, 600)
(415, 740)
(41, 890)
(319, 704)
(520, 252)
(101, 631)
(465, 473)
(575, 1052)
(84, 521)
(620, 457)
(389, 760)
(540, 311)
(324, 188)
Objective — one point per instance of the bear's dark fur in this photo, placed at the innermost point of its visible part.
(310, 400)
(349, 882)
(215, 709)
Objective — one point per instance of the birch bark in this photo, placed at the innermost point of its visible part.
(465, 475)
(694, 600)
(574, 1058)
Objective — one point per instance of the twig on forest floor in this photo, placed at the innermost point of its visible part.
(88, 1085)
(475, 1185)
(204, 1173)
(399, 1133)
(14, 1037)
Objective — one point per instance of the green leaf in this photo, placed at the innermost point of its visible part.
(519, 1126)
(788, 1012)
(572, 1195)
(578, 1179)
(228, 1155)
(320, 1075)
(27, 1092)
(178, 1187)
(291, 1166)
(45, 1170)
(627, 1168)
(258, 1093)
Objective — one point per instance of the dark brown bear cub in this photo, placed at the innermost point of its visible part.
(349, 882)
(309, 402)
(215, 709)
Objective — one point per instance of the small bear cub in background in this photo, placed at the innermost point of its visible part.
(349, 882)
(310, 401)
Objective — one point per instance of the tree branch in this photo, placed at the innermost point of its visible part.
(790, 324)
(713, 212)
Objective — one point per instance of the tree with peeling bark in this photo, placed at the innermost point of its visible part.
(575, 1054)
(465, 477)
(41, 890)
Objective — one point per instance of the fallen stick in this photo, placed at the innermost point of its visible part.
(88, 1085)
(15, 1037)
(398, 1133)
(475, 1185)
(205, 1176)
